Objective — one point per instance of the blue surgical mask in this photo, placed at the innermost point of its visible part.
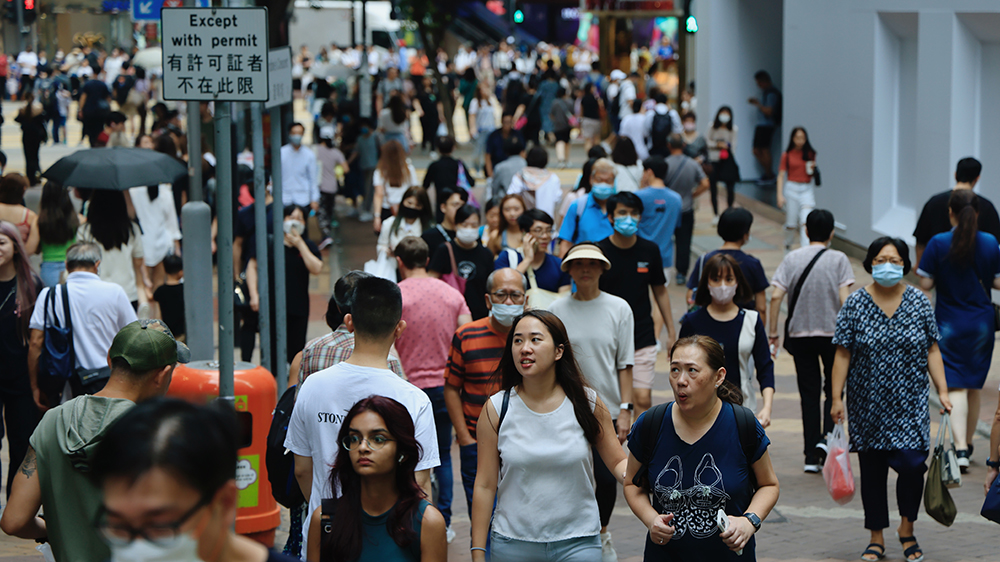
(364, 130)
(626, 226)
(295, 139)
(505, 314)
(602, 190)
(887, 274)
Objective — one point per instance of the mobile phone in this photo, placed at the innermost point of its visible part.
(722, 520)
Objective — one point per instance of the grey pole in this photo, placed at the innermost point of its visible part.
(224, 242)
(260, 230)
(194, 149)
(365, 91)
(20, 26)
(280, 314)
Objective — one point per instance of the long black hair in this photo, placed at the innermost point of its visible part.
(57, 218)
(568, 373)
(808, 152)
(964, 206)
(108, 218)
(719, 124)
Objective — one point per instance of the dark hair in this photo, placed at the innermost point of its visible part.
(466, 211)
(819, 225)
(377, 307)
(879, 243)
(636, 105)
(624, 152)
(808, 152)
(57, 217)
(511, 145)
(964, 205)
(426, 217)
(107, 216)
(585, 175)
(716, 124)
(734, 224)
(444, 194)
(342, 298)
(597, 151)
(173, 264)
(568, 374)
(296, 124)
(625, 199)
(195, 444)
(115, 117)
(25, 279)
(163, 144)
(715, 356)
(347, 537)
(967, 170)
(469, 75)
(412, 251)
(658, 165)
(446, 144)
(763, 76)
(537, 157)
(675, 141)
(713, 268)
(660, 97)
(289, 209)
(397, 107)
(529, 217)
(327, 109)
(492, 204)
(689, 115)
(12, 188)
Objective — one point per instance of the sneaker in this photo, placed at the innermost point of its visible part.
(715, 220)
(813, 464)
(366, 217)
(325, 243)
(963, 460)
(822, 446)
(608, 552)
(449, 534)
(145, 311)
(681, 280)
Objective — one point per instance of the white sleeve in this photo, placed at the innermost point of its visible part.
(37, 321)
(297, 438)
(383, 235)
(516, 185)
(426, 433)
(170, 215)
(626, 338)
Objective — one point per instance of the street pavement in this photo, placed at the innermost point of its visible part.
(806, 524)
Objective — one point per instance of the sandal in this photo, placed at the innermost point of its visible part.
(869, 550)
(907, 552)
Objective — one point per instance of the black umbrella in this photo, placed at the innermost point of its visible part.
(115, 168)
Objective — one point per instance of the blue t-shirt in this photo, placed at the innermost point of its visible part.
(701, 323)
(750, 266)
(661, 213)
(549, 276)
(594, 223)
(694, 481)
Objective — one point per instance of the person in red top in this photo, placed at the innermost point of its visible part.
(795, 185)
(432, 310)
(475, 353)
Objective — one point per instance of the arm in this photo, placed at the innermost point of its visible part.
(760, 304)
(608, 444)
(35, 343)
(564, 246)
(488, 163)
(294, 369)
(315, 538)
(844, 292)
(935, 365)
(740, 529)
(841, 362)
(252, 284)
(31, 246)
(638, 500)
(926, 283)
(487, 474)
(79, 106)
(453, 401)
(463, 319)
(433, 543)
(237, 256)
(624, 416)
(703, 186)
(424, 481)
(304, 474)
(142, 281)
(781, 196)
(313, 263)
(377, 205)
(777, 295)
(20, 517)
(663, 302)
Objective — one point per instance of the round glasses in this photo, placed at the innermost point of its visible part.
(164, 534)
(375, 442)
(501, 297)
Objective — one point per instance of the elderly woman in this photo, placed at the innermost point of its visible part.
(887, 342)
(590, 223)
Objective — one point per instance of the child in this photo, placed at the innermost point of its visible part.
(170, 296)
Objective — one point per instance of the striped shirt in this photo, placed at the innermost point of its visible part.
(337, 346)
(475, 354)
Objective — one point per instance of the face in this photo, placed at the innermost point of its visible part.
(471, 222)
(512, 208)
(722, 277)
(543, 233)
(412, 203)
(493, 218)
(533, 348)
(7, 250)
(586, 271)
(800, 138)
(691, 379)
(888, 254)
(506, 122)
(296, 130)
(146, 142)
(602, 176)
(296, 215)
(453, 204)
(626, 211)
(374, 448)
(507, 289)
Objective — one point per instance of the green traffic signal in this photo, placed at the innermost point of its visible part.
(691, 24)
(518, 16)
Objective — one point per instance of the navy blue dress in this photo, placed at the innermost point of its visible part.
(964, 309)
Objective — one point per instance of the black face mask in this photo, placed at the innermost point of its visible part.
(409, 212)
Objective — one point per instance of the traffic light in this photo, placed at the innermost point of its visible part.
(517, 12)
(30, 11)
(518, 16)
(690, 22)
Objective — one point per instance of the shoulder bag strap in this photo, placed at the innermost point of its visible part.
(677, 173)
(451, 254)
(443, 232)
(649, 433)
(794, 298)
(69, 322)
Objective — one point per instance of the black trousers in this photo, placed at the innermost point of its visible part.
(910, 468)
(31, 165)
(809, 354)
(683, 242)
(607, 487)
(714, 188)
(429, 137)
(20, 416)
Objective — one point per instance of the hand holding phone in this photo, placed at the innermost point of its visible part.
(723, 521)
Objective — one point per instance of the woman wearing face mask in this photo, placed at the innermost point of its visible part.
(721, 140)
(333, 168)
(740, 331)
(393, 176)
(382, 514)
(167, 475)
(887, 343)
(536, 440)
(695, 145)
(473, 261)
(508, 234)
(795, 185)
(413, 218)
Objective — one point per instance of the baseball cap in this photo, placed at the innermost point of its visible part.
(585, 251)
(148, 344)
(617, 74)
(327, 132)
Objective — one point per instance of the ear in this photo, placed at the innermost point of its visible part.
(559, 351)
(399, 264)
(226, 498)
(163, 377)
(720, 377)
(489, 302)
(400, 328)
(349, 322)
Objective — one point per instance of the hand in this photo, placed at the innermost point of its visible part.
(739, 532)
(753, 101)
(255, 303)
(781, 201)
(41, 400)
(527, 248)
(764, 417)
(465, 441)
(314, 206)
(945, 403)
(991, 475)
(660, 532)
(149, 293)
(624, 425)
(773, 342)
(837, 410)
(377, 224)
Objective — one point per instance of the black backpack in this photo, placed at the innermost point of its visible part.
(280, 462)
(649, 432)
(777, 109)
(57, 362)
(662, 125)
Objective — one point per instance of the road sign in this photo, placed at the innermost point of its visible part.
(215, 54)
(149, 10)
(279, 77)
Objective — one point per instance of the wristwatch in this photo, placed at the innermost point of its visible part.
(754, 520)
(992, 464)
(626, 406)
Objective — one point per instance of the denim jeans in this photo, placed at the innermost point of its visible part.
(443, 473)
(51, 271)
(581, 549)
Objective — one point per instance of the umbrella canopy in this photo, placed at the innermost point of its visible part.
(149, 58)
(115, 168)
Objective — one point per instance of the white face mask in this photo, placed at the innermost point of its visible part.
(184, 549)
(467, 235)
(724, 118)
(723, 294)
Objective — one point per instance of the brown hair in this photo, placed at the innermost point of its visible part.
(412, 250)
(964, 206)
(392, 164)
(12, 188)
(495, 243)
(716, 266)
(715, 357)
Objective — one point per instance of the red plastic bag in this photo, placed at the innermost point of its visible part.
(837, 469)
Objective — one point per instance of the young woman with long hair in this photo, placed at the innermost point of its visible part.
(538, 464)
(109, 225)
(394, 122)
(508, 234)
(414, 217)
(627, 164)
(382, 513)
(795, 185)
(721, 140)
(393, 176)
(963, 265)
(57, 225)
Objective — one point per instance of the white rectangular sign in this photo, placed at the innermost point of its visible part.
(280, 77)
(215, 54)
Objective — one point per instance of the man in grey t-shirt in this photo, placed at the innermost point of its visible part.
(685, 176)
(813, 321)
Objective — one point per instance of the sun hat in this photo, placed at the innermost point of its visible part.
(585, 251)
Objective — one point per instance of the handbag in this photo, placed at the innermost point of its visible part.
(539, 299)
(57, 361)
(241, 292)
(789, 343)
(453, 278)
(382, 267)
(816, 177)
(937, 499)
(996, 309)
(951, 474)
(991, 507)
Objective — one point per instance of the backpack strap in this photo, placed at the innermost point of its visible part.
(327, 508)
(649, 434)
(746, 427)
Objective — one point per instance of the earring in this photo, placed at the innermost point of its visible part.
(402, 457)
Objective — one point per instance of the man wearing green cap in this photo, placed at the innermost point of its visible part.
(54, 472)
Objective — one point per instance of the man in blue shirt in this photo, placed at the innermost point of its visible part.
(768, 119)
(590, 223)
(661, 209)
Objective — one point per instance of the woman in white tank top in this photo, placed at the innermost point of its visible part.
(536, 459)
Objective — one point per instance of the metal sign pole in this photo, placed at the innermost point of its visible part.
(224, 242)
(260, 229)
(280, 314)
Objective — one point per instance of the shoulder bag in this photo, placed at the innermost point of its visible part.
(539, 299)
(793, 299)
(453, 278)
(937, 499)
(57, 360)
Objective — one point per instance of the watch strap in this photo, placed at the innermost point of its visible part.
(626, 406)
(754, 520)
(992, 463)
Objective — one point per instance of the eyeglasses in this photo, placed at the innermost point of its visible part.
(540, 232)
(500, 297)
(893, 261)
(375, 442)
(164, 534)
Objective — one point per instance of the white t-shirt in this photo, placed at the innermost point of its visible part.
(28, 61)
(627, 178)
(547, 196)
(158, 219)
(394, 194)
(116, 264)
(324, 400)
